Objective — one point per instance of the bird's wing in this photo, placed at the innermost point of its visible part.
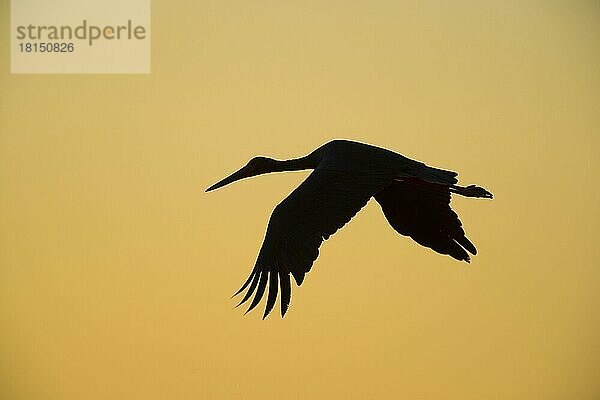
(315, 210)
(422, 211)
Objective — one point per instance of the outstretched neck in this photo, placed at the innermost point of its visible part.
(310, 161)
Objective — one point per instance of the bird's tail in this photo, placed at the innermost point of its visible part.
(436, 175)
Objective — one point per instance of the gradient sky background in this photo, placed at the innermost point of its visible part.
(116, 268)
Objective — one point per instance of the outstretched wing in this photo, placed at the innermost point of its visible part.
(315, 210)
(422, 211)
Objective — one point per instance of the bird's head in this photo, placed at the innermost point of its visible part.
(256, 166)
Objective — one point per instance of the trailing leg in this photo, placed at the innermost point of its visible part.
(471, 191)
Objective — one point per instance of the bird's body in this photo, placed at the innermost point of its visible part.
(414, 197)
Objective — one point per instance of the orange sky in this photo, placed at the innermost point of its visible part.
(116, 268)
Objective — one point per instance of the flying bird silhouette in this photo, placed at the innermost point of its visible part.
(414, 197)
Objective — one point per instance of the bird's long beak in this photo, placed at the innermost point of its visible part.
(240, 174)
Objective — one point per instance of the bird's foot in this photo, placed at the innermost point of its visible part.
(471, 191)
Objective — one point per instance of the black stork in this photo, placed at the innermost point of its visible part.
(414, 197)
